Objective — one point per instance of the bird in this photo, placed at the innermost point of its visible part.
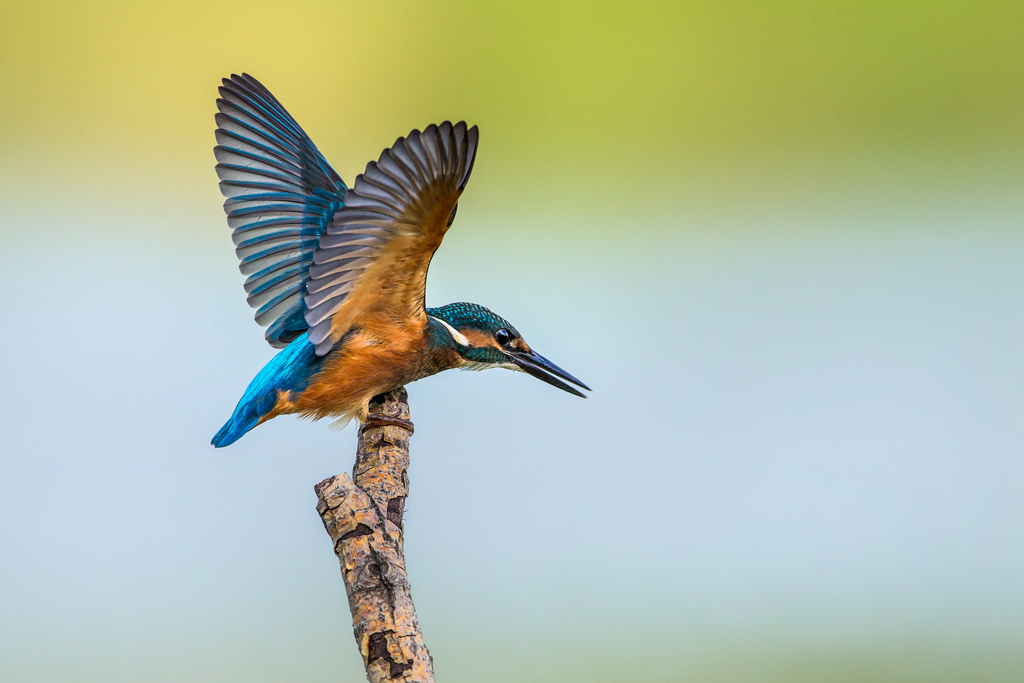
(337, 274)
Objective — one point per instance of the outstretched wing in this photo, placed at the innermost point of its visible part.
(375, 254)
(281, 194)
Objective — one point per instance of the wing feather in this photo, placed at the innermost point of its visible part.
(281, 195)
(376, 251)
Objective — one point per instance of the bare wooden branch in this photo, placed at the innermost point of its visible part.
(363, 515)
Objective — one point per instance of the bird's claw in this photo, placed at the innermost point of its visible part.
(373, 420)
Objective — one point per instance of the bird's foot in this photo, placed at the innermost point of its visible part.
(374, 420)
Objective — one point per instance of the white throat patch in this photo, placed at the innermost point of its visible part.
(456, 335)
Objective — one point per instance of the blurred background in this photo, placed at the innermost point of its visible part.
(783, 242)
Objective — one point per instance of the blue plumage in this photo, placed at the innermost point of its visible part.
(290, 370)
(281, 194)
(325, 264)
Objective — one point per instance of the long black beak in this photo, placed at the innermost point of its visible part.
(546, 371)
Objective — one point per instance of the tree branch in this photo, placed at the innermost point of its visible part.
(363, 516)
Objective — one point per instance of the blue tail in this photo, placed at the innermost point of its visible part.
(244, 418)
(290, 370)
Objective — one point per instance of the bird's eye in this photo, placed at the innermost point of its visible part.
(503, 336)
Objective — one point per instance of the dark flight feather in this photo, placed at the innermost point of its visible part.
(376, 251)
(281, 194)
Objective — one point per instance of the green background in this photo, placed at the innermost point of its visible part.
(783, 242)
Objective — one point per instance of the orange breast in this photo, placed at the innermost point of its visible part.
(382, 354)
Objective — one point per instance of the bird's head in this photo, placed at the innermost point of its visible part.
(486, 340)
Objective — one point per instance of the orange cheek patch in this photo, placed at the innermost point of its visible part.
(480, 339)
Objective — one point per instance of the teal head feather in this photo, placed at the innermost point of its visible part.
(486, 340)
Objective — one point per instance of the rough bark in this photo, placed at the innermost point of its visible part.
(363, 515)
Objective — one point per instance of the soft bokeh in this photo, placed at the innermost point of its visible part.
(783, 242)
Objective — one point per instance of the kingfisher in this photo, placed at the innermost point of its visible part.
(338, 275)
